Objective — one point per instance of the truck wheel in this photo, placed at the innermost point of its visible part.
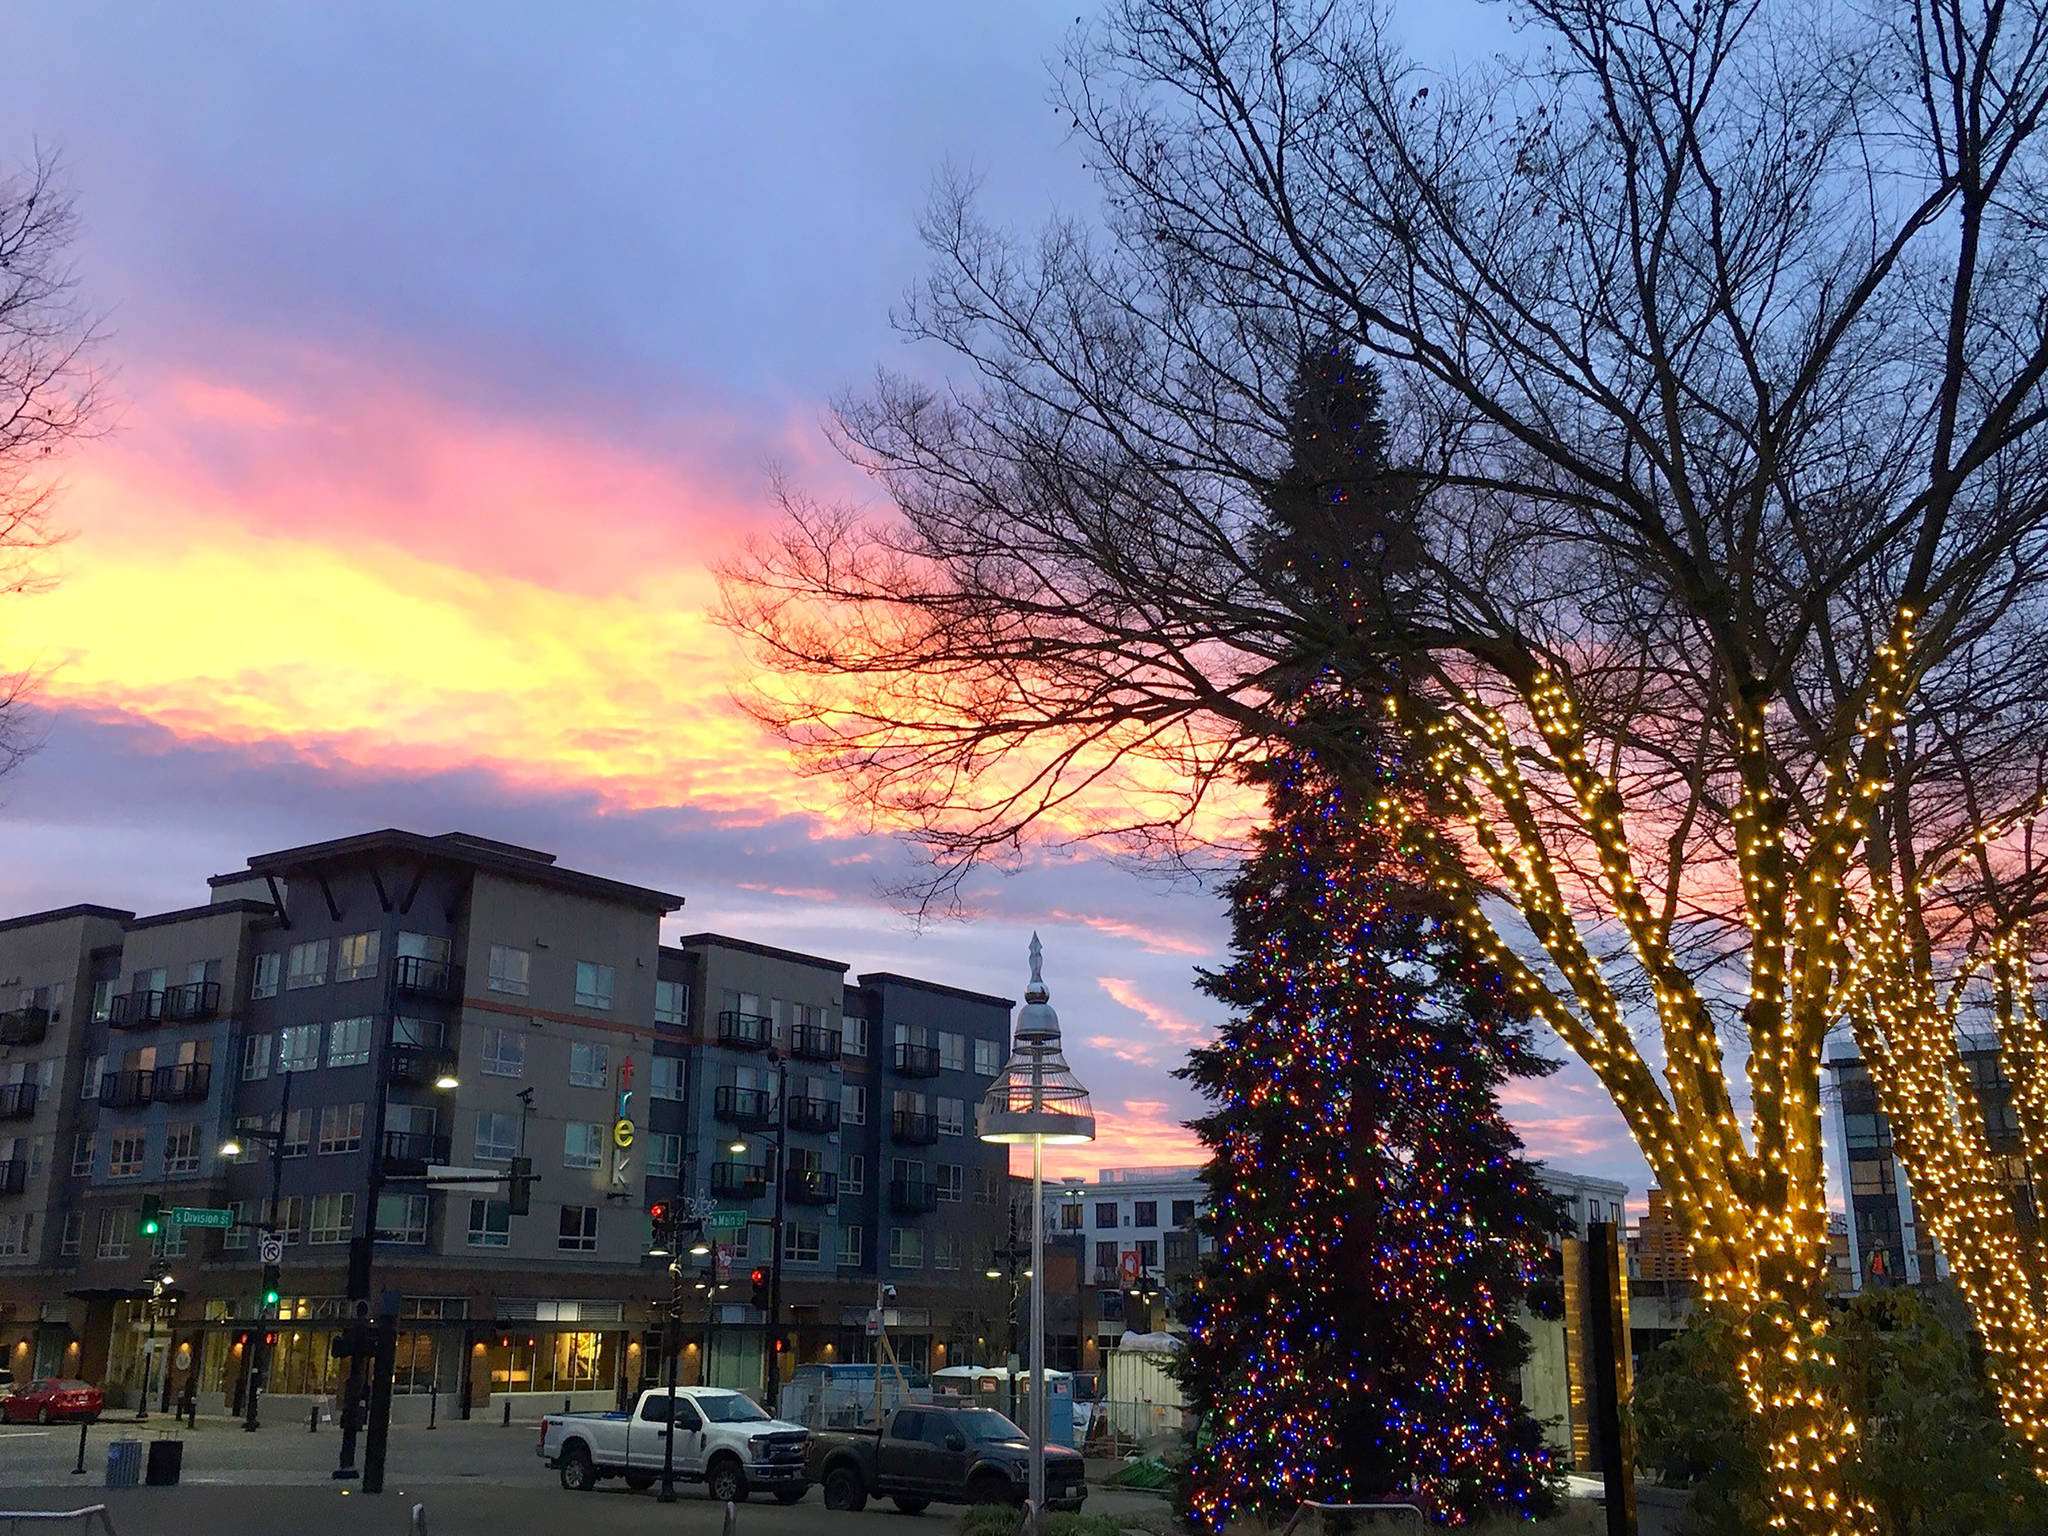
(912, 1506)
(726, 1482)
(639, 1482)
(991, 1488)
(579, 1472)
(843, 1490)
(792, 1495)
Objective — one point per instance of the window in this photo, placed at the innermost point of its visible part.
(508, 969)
(401, 1218)
(490, 1224)
(426, 1034)
(181, 1149)
(906, 1248)
(355, 957)
(298, 1048)
(504, 1052)
(802, 1244)
(582, 1145)
(236, 1238)
(952, 1051)
(671, 1002)
(341, 1128)
(306, 966)
(593, 985)
(348, 1042)
(578, 1233)
(16, 1234)
(89, 1086)
(988, 1057)
(1106, 1257)
(124, 1157)
(334, 1218)
(1145, 1213)
(664, 1155)
(850, 1245)
(853, 1037)
(256, 1051)
(116, 1222)
(991, 1185)
(853, 1104)
(1148, 1254)
(590, 1066)
(665, 1077)
(291, 1219)
(83, 1145)
(67, 1243)
(1105, 1214)
(952, 1117)
(298, 1132)
(497, 1136)
(431, 947)
(853, 1173)
(952, 1182)
(1183, 1213)
(945, 1250)
(103, 999)
(1070, 1218)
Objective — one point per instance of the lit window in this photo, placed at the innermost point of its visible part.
(593, 985)
(508, 969)
(355, 957)
(306, 966)
(348, 1042)
(298, 1048)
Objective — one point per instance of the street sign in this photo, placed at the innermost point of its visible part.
(441, 1174)
(721, 1221)
(199, 1216)
(270, 1247)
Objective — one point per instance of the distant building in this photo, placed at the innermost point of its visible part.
(1659, 1249)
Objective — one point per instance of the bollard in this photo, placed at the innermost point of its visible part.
(433, 1404)
(313, 1420)
(508, 1413)
(732, 1517)
(565, 1406)
(79, 1470)
(419, 1521)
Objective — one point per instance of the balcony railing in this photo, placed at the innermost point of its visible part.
(192, 1001)
(136, 1010)
(17, 1101)
(24, 1026)
(408, 1154)
(185, 1083)
(913, 1129)
(912, 1197)
(746, 1031)
(751, 1107)
(13, 1175)
(744, 1181)
(814, 1042)
(808, 1186)
(915, 1060)
(818, 1116)
(438, 981)
(126, 1090)
(420, 1065)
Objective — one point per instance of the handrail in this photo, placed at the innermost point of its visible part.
(16, 1518)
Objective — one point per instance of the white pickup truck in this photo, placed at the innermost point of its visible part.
(722, 1439)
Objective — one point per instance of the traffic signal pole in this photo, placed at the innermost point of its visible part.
(774, 1353)
(254, 1376)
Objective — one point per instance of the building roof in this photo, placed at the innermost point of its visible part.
(748, 946)
(60, 914)
(211, 909)
(464, 848)
(894, 979)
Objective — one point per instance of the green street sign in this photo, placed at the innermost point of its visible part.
(719, 1221)
(199, 1216)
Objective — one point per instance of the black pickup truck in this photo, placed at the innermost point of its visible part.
(924, 1454)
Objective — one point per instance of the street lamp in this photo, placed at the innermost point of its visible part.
(771, 1357)
(1037, 1099)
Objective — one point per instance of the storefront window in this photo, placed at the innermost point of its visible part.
(555, 1361)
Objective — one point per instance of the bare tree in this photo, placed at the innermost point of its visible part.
(47, 389)
(1715, 336)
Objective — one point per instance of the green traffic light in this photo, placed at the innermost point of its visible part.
(270, 1298)
(151, 1228)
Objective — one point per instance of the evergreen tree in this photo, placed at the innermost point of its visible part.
(1354, 1332)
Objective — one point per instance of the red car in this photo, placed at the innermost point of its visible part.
(51, 1399)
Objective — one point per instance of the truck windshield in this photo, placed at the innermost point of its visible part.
(986, 1424)
(730, 1408)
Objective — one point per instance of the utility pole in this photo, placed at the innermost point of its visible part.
(257, 1375)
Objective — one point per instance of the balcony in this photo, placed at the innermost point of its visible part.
(739, 1181)
(185, 1083)
(814, 1042)
(136, 1010)
(191, 1002)
(24, 1026)
(13, 1175)
(408, 1154)
(818, 1116)
(126, 1090)
(17, 1101)
(915, 1060)
(746, 1031)
(753, 1108)
(438, 981)
(419, 1065)
(913, 1129)
(809, 1186)
(913, 1197)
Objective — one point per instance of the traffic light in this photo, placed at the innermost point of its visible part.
(759, 1280)
(152, 1215)
(272, 1285)
(519, 1187)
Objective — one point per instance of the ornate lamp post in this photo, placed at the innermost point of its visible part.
(1037, 1099)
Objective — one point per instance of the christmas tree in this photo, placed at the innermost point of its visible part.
(1354, 1333)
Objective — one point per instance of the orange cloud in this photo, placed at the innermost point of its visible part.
(1150, 939)
(1165, 1020)
(1138, 1133)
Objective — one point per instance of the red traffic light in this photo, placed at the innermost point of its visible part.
(658, 1210)
(759, 1277)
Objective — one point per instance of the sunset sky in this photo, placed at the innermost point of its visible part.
(444, 356)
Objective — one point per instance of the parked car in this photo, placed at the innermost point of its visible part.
(722, 1439)
(52, 1399)
(922, 1455)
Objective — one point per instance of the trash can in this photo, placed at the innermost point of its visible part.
(166, 1458)
(124, 1463)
